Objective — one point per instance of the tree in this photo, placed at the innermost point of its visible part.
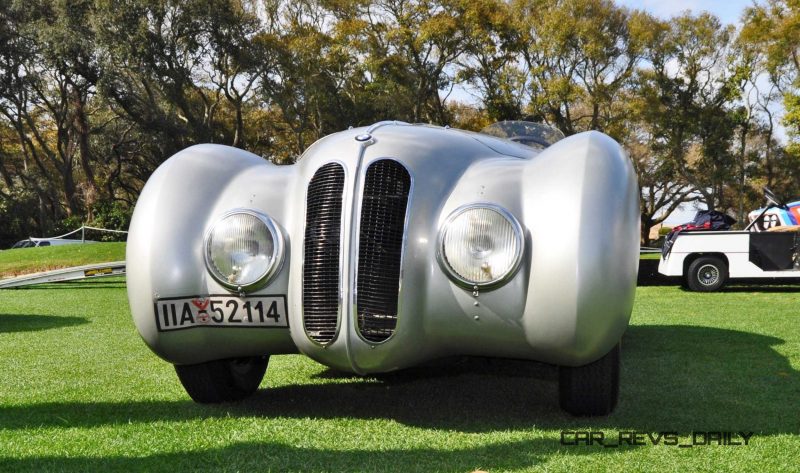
(661, 189)
(489, 62)
(775, 27)
(95, 94)
(46, 94)
(684, 96)
(579, 55)
(409, 47)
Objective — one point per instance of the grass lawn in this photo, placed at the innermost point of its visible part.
(79, 391)
(34, 260)
(650, 256)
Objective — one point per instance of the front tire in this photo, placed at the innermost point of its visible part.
(707, 274)
(593, 389)
(222, 380)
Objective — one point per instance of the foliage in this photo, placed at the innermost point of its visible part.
(113, 216)
(17, 213)
(95, 94)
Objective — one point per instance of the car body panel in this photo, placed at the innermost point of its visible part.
(776, 216)
(568, 303)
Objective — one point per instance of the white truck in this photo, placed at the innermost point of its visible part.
(707, 259)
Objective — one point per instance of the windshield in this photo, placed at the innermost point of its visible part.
(536, 135)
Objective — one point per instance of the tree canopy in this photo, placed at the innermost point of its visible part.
(95, 94)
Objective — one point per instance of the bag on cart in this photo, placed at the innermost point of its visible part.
(704, 220)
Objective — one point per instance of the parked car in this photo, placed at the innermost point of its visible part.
(36, 242)
(387, 246)
(23, 244)
(706, 260)
(787, 215)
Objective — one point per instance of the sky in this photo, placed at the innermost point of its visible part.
(729, 11)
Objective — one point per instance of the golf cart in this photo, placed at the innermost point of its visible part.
(708, 259)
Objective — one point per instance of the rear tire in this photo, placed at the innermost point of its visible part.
(222, 380)
(593, 389)
(707, 274)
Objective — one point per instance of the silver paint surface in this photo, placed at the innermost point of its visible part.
(569, 303)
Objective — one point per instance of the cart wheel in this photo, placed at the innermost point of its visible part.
(707, 274)
(593, 389)
(223, 380)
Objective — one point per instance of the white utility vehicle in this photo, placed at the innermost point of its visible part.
(707, 259)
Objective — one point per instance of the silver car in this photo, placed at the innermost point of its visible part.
(388, 246)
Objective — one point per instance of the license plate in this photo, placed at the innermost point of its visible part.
(178, 313)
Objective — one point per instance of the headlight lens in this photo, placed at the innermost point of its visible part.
(481, 245)
(243, 248)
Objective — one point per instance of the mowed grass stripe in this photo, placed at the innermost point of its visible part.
(34, 260)
(80, 392)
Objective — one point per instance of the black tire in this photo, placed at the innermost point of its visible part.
(593, 389)
(222, 380)
(707, 274)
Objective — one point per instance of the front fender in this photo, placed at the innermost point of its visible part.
(571, 299)
(582, 210)
(182, 198)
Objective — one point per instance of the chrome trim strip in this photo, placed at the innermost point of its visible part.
(377, 125)
(351, 270)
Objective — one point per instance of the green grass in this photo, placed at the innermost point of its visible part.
(34, 260)
(79, 391)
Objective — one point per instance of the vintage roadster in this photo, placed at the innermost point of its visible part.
(388, 246)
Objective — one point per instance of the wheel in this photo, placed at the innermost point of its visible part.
(222, 380)
(707, 274)
(593, 389)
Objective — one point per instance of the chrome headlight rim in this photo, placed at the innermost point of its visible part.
(486, 285)
(278, 253)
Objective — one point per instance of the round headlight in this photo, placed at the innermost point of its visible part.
(243, 248)
(481, 245)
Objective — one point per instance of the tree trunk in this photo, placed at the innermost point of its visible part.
(69, 191)
(238, 136)
(647, 224)
(81, 124)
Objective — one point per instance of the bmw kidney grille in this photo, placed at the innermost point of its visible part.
(381, 225)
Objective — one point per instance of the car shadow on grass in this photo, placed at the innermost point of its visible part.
(267, 456)
(10, 323)
(674, 378)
